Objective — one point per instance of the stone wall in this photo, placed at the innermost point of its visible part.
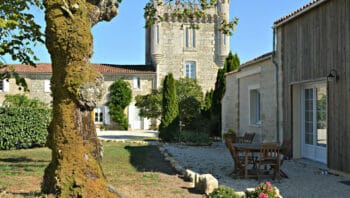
(36, 84)
(236, 102)
(166, 45)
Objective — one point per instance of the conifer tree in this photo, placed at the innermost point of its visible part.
(231, 63)
(170, 106)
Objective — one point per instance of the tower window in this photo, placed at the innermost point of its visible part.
(157, 34)
(191, 69)
(190, 37)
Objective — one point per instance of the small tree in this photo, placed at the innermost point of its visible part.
(150, 105)
(120, 97)
(190, 97)
(188, 87)
(231, 63)
(170, 108)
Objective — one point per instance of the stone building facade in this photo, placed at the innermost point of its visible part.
(249, 103)
(173, 45)
(141, 78)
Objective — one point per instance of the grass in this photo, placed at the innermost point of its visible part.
(135, 170)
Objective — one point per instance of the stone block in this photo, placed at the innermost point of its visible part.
(206, 183)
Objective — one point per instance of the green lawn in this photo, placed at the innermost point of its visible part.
(134, 169)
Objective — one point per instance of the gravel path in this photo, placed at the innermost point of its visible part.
(126, 135)
(305, 177)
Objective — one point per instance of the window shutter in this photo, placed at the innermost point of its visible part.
(47, 86)
(6, 86)
(106, 114)
(135, 82)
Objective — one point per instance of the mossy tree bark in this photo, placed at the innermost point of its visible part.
(75, 169)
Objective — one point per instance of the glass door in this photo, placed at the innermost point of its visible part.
(314, 122)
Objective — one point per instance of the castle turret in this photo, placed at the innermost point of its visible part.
(156, 52)
(222, 40)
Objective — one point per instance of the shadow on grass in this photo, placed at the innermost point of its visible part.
(20, 160)
(149, 159)
(24, 194)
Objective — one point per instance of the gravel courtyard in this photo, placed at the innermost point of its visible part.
(306, 178)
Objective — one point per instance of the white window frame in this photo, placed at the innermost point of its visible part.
(137, 82)
(5, 86)
(190, 37)
(100, 115)
(190, 69)
(47, 86)
(254, 104)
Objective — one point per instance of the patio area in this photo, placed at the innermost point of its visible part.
(306, 178)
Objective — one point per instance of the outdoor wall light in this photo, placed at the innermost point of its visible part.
(332, 76)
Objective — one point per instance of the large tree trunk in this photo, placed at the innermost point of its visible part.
(75, 169)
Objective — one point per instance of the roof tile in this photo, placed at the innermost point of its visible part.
(103, 68)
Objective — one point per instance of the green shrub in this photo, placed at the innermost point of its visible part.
(120, 95)
(171, 132)
(224, 192)
(196, 138)
(19, 100)
(23, 127)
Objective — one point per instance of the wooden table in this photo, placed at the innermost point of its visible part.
(246, 148)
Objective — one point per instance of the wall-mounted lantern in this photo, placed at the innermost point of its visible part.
(332, 76)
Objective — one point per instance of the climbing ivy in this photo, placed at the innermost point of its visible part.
(120, 96)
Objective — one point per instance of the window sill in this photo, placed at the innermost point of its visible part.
(190, 49)
(256, 125)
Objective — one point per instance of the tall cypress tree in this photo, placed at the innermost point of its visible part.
(170, 108)
(231, 63)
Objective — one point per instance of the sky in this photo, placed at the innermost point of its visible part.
(122, 40)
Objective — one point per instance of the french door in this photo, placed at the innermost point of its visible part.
(314, 122)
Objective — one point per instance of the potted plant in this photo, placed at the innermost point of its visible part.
(230, 135)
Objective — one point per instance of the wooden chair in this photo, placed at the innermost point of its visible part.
(239, 168)
(269, 157)
(247, 138)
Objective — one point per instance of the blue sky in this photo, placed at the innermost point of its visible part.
(122, 41)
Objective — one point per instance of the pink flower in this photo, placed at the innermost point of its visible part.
(263, 195)
(264, 187)
(268, 183)
(270, 189)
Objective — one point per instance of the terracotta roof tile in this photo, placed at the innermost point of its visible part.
(103, 68)
(298, 12)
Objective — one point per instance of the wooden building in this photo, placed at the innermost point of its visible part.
(313, 55)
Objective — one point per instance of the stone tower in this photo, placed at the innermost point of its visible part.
(173, 45)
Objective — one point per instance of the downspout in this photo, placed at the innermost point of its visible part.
(277, 84)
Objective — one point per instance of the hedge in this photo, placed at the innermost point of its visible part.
(23, 127)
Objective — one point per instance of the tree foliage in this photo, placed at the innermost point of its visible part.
(18, 32)
(189, 9)
(170, 106)
(150, 105)
(190, 97)
(120, 95)
(231, 63)
(188, 87)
